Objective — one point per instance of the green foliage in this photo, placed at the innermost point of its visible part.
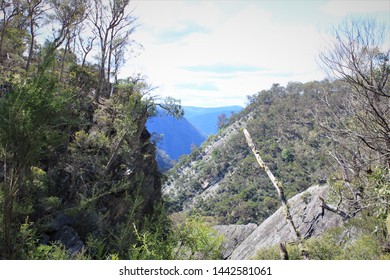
(188, 238)
(380, 179)
(196, 240)
(151, 245)
(364, 248)
(287, 155)
(97, 248)
(28, 246)
(30, 114)
(269, 253)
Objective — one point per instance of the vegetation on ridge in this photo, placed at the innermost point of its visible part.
(78, 175)
(334, 131)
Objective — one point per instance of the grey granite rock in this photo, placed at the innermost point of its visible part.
(307, 214)
(234, 236)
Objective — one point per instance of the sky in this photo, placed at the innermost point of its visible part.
(216, 53)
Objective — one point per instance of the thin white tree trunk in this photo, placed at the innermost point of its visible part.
(279, 189)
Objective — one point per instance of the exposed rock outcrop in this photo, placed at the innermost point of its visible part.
(308, 215)
(62, 229)
(234, 236)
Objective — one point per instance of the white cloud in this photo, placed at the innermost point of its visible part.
(181, 37)
(344, 8)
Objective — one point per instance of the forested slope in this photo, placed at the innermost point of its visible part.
(223, 182)
(282, 122)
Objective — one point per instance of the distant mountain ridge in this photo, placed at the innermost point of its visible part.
(206, 119)
(176, 137)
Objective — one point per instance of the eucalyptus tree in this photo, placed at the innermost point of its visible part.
(11, 19)
(360, 57)
(355, 113)
(35, 12)
(112, 23)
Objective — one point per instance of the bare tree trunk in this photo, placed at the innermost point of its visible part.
(87, 49)
(280, 191)
(35, 10)
(63, 59)
(31, 49)
(110, 51)
(102, 70)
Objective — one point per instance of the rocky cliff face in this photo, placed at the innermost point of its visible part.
(308, 216)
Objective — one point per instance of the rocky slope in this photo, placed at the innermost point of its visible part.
(234, 236)
(189, 179)
(308, 215)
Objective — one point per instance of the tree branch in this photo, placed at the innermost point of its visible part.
(280, 191)
(333, 209)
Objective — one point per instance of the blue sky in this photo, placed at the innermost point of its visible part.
(215, 53)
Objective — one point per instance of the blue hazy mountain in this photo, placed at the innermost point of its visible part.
(174, 136)
(206, 119)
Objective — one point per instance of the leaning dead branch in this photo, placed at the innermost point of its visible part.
(334, 209)
(279, 189)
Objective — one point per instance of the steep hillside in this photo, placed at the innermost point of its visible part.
(78, 176)
(222, 179)
(206, 119)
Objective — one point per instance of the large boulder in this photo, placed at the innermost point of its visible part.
(69, 237)
(62, 230)
(308, 215)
